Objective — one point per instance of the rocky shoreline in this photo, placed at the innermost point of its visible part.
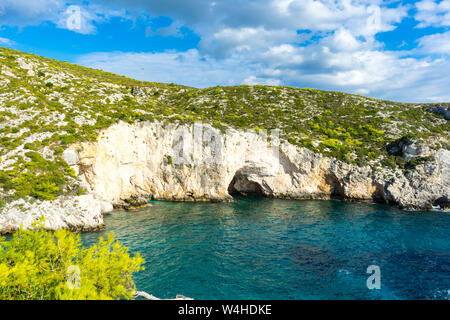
(80, 213)
(131, 163)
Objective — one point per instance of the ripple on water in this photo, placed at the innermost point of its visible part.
(283, 249)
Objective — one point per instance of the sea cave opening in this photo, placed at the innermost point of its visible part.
(241, 185)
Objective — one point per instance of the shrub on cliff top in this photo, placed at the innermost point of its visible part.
(45, 265)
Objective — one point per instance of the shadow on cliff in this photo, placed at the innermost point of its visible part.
(241, 185)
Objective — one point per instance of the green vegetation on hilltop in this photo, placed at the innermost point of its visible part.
(46, 105)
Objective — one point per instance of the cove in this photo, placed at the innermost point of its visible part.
(260, 248)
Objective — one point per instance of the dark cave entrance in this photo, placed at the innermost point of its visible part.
(241, 185)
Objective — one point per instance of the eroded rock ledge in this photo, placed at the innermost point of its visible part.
(200, 163)
(82, 213)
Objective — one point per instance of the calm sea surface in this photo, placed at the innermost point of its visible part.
(282, 249)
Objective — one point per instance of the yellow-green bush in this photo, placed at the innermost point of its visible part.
(36, 264)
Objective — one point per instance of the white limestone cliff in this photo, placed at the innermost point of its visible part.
(194, 163)
(199, 163)
(81, 213)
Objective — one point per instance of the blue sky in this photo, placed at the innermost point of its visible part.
(397, 50)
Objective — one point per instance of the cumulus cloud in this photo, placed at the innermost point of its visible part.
(7, 42)
(223, 25)
(79, 16)
(388, 75)
(222, 43)
(252, 80)
(188, 68)
(328, 44)
(24, 12)
(260, 40)
(77, 19)
(227, 25)
(433, 13)
(436, 43)
(82, 18)
(342, 40)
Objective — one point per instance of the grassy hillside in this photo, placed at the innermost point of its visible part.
(46, 105)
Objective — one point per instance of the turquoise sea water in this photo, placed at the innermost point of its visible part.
(281, 249)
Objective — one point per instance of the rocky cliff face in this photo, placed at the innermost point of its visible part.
(198, 162)
(82, 213)
(47, 106)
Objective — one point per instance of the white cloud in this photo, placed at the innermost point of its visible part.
(433, 13)
(387, 75)
(77, 19)
(252, 80)
(82, 18)
(343, 40)
(258, 41)
(436, 43)
(223, 25)
(227, 25)
(24, 12)
(242, 43)
(7, 42)
(79, 16)
(188, 68)
(222, 43)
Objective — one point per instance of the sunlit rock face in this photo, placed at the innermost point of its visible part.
(200, 163)
(80, 213)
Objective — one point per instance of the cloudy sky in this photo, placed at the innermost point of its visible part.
(396, 50)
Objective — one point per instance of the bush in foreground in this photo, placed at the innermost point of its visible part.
(46, 265)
